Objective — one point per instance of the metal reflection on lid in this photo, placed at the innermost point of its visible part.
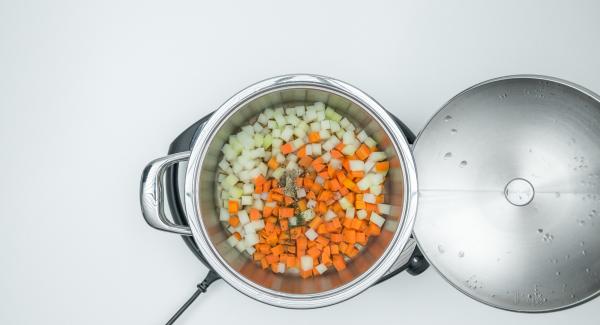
(508, 193)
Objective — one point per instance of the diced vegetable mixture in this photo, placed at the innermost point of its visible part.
(301, 190)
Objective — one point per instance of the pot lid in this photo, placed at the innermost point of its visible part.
(509, 193)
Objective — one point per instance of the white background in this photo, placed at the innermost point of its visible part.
(92, 91)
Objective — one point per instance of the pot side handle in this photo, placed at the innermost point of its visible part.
(151, 194)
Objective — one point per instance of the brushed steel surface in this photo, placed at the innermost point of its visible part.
(535, 256)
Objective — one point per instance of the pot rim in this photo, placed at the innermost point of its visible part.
(361, 282)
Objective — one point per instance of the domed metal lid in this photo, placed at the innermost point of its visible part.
(509, 193)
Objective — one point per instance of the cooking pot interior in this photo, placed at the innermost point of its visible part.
(241, 263)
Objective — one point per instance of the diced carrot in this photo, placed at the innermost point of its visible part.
(254, 214)
(301, 244)
(351, 251)
(305, 161)
(318, 167)
(267, 211)
(361, 238)
(326, 256)
(257, 256)
(333, 225)
(362, 152)
(288, 200)
(314, 137)
(286, 212)
(301, 152)
(315, 222)
(263, 263)
(336, 154)
(287, 148)
(290, 261)
(271, 258)
(273, 163)
(373, 229)
(322, 240)
(349, 184)
(306, 274)
(233, 206)
(340, 146)
(234, 221)
(277, 250)
(357, 174)
(334, 185)
(349, 236)
(321, 229)
(301, 205)
(313, 252)
(284, 224)
(276, 196)
(336, 238)
(338, 262)
(311, 195)
(259, 180)
(325, 196)
(343, 247)
(324, 174)
(315, 188)
(356, 224)
(335, 249)
(343, 191)
(382, 166)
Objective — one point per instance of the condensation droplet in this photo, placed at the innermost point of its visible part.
(447, 118)
(461, 254)
(441, 249)
(463, 163)
(448, 155)
(557, 273)
(582, 244)
(587, 270)
(540, 230)
(583, 252)
(453, 131)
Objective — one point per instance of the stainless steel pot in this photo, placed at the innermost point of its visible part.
(202, 214)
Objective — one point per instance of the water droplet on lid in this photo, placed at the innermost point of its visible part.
(441, 249)
(583, 252)
(587, 270)
(572, 296)
(545, 299)
(453, 131)
(581, 222)
(582, 244)
(448, 155)
(540, 230)
(447, 118)
(461, 254)
(463, 163)
(557, 194)
(557, 273)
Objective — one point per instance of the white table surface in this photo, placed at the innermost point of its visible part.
(92, 91)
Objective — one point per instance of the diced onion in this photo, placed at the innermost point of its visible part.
(306, 263)
(377, 219)
(361, 214)
(311, 234)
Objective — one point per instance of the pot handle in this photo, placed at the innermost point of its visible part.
(151, 194)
